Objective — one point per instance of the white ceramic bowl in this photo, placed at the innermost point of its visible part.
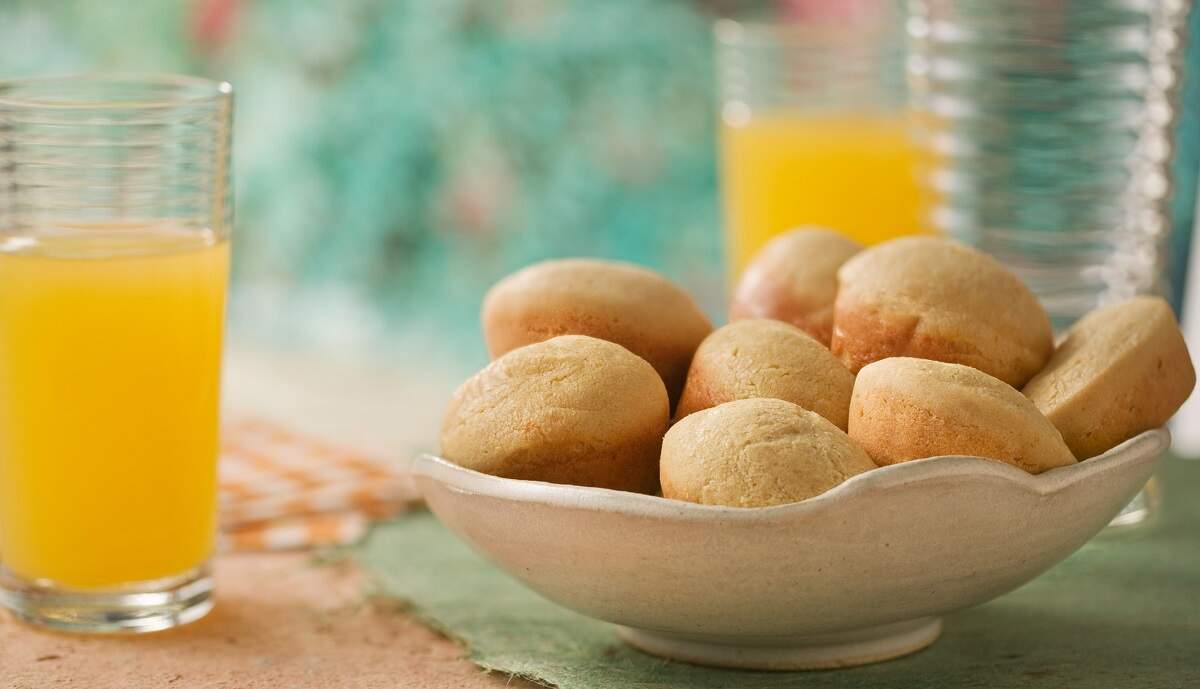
(858, 574)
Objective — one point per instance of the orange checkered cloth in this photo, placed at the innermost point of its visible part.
(281, 490)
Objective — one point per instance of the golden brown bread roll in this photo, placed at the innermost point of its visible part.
(755, 453)
(631, 306)
(572, 409)
(904, 409)
(793, 278)
(935, 299)
(1119, 371)
(765, 358)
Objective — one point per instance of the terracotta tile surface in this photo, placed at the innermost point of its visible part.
(281, 621)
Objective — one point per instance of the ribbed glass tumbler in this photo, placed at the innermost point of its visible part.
(114, 220)
(1051, 128)
(1051, 124)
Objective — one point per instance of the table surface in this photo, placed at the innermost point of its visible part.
(281, 620)
(289, 620)
(1123, 612)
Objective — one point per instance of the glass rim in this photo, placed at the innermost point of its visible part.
(177, 90)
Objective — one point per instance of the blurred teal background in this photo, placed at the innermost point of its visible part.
(392, 159)
(395, 158)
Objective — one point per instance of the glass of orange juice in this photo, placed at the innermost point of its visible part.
(815, 127)
(114, 259)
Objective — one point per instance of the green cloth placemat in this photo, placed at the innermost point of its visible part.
(1122, 613)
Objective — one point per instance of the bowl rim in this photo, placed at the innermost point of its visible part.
(1142, 448)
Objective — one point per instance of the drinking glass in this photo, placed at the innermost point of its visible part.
(1052, 123)
(816, 128)
(1053, 126)
(114, 224)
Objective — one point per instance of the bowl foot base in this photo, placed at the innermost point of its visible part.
(846, 649)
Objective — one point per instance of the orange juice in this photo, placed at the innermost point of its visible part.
(855, 173)
(110, 344)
